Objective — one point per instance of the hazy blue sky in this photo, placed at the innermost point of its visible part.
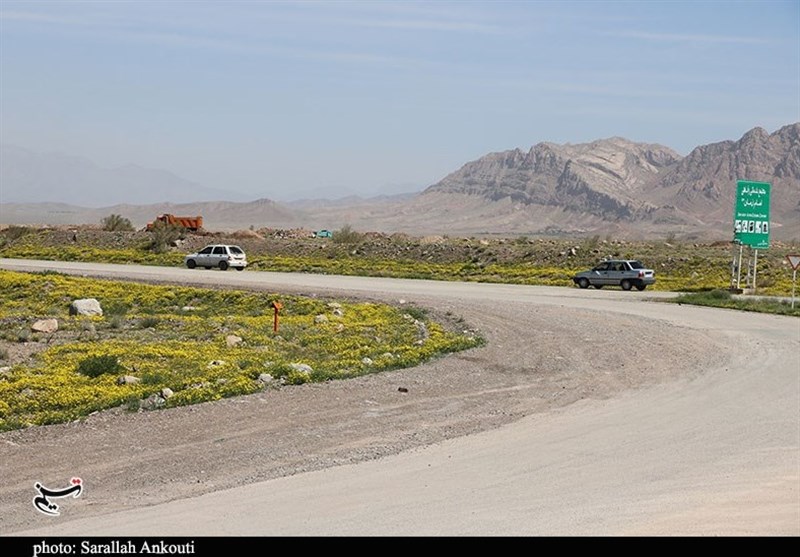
(290, 99)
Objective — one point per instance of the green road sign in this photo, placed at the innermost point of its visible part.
(751, 215)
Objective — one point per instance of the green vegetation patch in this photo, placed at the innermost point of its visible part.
(170, 345)
(679, 266)
(724, 299)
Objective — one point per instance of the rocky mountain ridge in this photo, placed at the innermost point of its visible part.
(610, 186)
(624, 183)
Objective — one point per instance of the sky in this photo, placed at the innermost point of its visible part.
(287, 100)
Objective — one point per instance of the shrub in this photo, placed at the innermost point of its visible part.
(95, 366)
(3, 354)
(164, 235)
(149, 322)
(346, 235)
(417, 313)
(591, 243)
(718, 294)
(117, 223)
(155, 378)
(296, 377)
(117, 322)
(13, 233)
(132, 403)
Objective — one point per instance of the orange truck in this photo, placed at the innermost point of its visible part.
(189, 223)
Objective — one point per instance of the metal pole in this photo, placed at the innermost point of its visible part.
(739, 268)
(794, 279)
(755, 270)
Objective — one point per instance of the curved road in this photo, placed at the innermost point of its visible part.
(713, 451)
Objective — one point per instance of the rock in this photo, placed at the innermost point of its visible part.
(85, 306)
(152, 402)
(233, 340)
(401, 301)
(338, 312)
(215, 363)
(5, 369)
(321, 319)
(266, 378)
(402, 389)
(45, 326)
(166, 393)
(422, 330)
(387, 355)
(127, 380)
(334, 305)
(367, 361)
(305, 368)
(189, 308)
(428, 240)
(339, 328)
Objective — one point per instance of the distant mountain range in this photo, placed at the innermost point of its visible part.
(27, 176)
(610, 186)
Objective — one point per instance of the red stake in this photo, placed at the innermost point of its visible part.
(277, 307)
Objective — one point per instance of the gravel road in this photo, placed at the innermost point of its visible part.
(586, 413)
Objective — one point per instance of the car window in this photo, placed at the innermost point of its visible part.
(205, 251)
(235, 249)
(635, 265)
(219, 250)
(602, 267)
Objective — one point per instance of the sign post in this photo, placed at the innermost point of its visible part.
(794, 261)
(751, 217)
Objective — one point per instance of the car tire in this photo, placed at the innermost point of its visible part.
(240, 268)
(583, 283)
(626, 284)
(191, 263)
(223, 265)
(641, 287)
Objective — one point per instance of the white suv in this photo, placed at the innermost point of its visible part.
(217, 255)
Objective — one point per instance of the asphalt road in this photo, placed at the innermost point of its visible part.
(716, 451)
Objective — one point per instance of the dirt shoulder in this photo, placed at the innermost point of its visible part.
(536, 359)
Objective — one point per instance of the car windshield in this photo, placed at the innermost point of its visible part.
(236, 250)
(635, 265)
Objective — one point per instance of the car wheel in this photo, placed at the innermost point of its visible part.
(583, 283)
(625, 284)
(223, 265)
(240, 268)
(641, 287)
(598, 286)
(191, 264)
